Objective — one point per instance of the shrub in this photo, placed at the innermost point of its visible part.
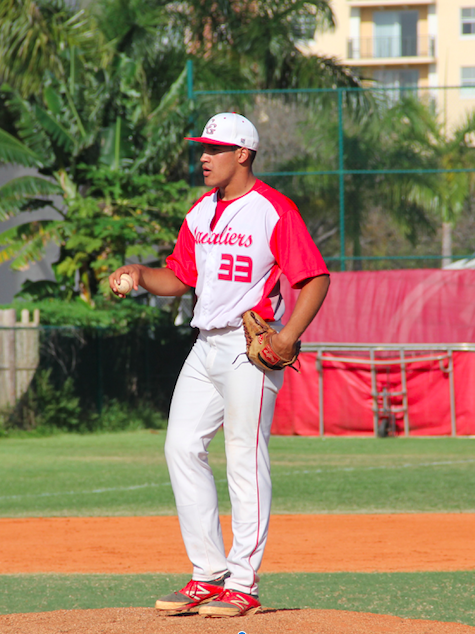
(45, 406)
(46, 409)
(116, 416)
(116, 317)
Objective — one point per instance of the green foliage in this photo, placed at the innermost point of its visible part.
(404, 134)
(118, 317)
(76, 106)
(106, 87)
(259, 43)
(122, 215)
(116, 416)
(37, 37)
(45, 407)
(14, 151)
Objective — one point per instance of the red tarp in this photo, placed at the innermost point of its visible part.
(409, 307)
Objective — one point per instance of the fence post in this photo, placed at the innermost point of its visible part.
(19, 354)
(9, 319)
(321, 414)
(341, 177)
(99, 384)
(453, 412)
(191, 97)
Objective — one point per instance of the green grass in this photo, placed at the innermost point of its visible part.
(348, 475)
(441, 596)
(125, 474)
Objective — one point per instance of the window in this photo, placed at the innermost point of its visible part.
(395, 33)
(467, 82)
(468, 21)
(400, 81)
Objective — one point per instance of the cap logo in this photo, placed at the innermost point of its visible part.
(210, 128)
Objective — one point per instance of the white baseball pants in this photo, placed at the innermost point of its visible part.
(219, 386)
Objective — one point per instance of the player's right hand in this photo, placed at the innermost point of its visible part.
(131, 269)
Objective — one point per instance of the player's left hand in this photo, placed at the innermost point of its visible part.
(285, 348)
(260, 349)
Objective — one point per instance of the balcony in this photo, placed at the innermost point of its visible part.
(392, 49)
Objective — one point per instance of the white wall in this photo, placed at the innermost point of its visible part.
(11, 281)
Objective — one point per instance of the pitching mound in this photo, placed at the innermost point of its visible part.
(148, 621)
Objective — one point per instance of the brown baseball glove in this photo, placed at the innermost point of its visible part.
(259, 344)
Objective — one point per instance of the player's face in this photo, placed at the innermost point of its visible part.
(219, 164)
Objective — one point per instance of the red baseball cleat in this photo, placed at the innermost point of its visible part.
(231, 603)
(195, 593)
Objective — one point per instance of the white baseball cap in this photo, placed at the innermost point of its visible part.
(229, 128)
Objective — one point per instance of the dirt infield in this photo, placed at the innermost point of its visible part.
(302, 543)
(297, 543)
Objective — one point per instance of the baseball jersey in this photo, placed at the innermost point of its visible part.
(236, 266)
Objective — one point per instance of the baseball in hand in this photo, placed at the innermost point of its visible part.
(126, 284)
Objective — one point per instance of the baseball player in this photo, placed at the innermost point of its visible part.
(233, 246)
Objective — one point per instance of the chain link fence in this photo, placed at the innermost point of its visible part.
(384, 177)
(81, 373)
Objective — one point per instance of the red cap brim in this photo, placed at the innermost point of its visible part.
(204, 139)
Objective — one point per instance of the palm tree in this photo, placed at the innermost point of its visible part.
(106, 87)
(383, 138)
(262, 42)
(453, 189)
(77, 111)
(441, 195)
(39, 37)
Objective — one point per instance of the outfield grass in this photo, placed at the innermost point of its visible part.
(125, 474)
(441, 596)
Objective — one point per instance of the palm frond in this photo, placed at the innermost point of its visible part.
(57, 131)
(12, 150)
(26, 244)
(34, 37)
(166, 127)
(25, 186)
(28, 128)
(16, 195)
(171, 99)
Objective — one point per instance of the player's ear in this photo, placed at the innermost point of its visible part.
(244, 156)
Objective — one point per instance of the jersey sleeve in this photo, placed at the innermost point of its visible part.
(182, 261)
(294, 250)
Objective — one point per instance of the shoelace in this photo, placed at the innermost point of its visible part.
(190, 589)
(226, 594)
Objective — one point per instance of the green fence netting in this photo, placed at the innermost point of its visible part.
(407, 152)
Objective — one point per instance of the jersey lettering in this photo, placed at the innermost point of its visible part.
(225, 237)
(241, 271)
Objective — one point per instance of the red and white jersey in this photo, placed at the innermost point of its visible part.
(236, 265)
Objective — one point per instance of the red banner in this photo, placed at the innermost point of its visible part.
(393, 307)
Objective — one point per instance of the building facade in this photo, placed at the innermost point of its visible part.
(403, 44)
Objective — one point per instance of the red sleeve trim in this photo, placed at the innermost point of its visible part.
(182, 261)
(294, 250)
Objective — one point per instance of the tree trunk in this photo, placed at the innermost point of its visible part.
(446, 243)
(357, 264)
